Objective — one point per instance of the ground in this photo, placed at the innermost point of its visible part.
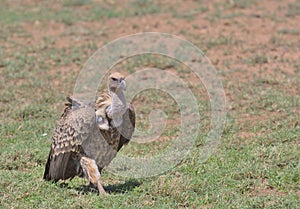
(254, 46)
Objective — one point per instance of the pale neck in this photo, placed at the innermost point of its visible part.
(117, 108)
(118, 97)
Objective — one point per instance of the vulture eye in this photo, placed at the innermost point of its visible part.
(99, 119)
(114, 79)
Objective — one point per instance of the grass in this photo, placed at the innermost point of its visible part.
(293, 9)
(70, 11)
(255, 166)
(289, 31)
(221, 40)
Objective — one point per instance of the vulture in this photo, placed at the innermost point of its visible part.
(89, 134)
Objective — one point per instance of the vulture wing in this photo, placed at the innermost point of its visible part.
(76, 135)
(79, 135)
(127, 127)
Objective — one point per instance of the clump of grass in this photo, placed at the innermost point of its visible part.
(69, 3)
(289, 31)
(221, 40)
(293, 9)
(242, 4)
(190, 15)
(258, 59)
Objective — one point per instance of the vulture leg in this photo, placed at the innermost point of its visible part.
(92, 173)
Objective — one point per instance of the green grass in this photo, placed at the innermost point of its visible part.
(255, 166)
(289, 31)
(293, 9)
(70, 11)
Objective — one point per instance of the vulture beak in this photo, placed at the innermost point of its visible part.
(123, 84)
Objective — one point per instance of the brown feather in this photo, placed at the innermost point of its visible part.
(127, 127)
(72, 129)
(79, 142)
(77, 134)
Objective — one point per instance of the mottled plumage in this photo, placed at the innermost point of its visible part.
(87, 137)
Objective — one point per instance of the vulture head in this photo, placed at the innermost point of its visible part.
(116, 82)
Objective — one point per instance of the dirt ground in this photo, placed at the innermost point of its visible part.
(244, 41)
(261, 32)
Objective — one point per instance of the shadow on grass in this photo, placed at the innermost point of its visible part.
(122, 188)
(110, 189)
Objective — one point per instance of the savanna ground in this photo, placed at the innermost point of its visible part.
(255, 48)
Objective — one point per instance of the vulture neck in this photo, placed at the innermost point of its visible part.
(117, 107)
